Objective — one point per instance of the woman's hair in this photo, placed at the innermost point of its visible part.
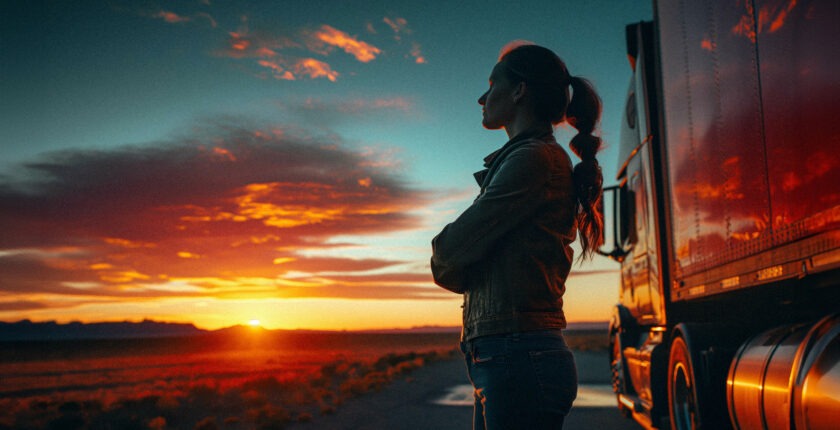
(545, 74)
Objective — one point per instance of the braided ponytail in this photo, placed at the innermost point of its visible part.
(549, 78)
(583, 113)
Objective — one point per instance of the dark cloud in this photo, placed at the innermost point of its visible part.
(225, 212)
(22, 305)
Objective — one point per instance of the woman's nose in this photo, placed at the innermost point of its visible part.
(482, 99)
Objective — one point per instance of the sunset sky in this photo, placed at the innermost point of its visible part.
(219, 162)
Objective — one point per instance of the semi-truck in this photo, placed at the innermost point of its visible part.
(725, 217)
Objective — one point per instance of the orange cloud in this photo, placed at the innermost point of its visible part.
(244, 217)
(398, 25)
(171, 17)
(224, 153)
(242, 44)
(307, 67)
(271, 50)
(278, 71)
(174, 18)
(268, 47)
(363, 51)
(315, 69)
(417, 54)
(267, 51)
(238, 42)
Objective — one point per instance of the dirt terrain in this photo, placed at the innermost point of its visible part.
(415, 402)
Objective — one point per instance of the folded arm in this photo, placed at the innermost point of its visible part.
(513, 194)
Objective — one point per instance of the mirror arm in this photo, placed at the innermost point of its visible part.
(617, 253)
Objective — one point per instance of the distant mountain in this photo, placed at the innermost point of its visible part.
(574, 326)
(422, 329)
(27, 330)
(589, 326)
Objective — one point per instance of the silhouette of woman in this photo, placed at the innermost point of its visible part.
(509, 253)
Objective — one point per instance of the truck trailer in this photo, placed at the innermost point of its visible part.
(726, 217)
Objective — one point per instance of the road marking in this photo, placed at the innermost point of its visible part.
(459, 395)
(595, 396)
(588, 396)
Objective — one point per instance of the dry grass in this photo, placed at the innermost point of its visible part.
(587, 340)
(206, 384)
(265, 402)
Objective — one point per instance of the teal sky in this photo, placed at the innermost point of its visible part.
(96, 94)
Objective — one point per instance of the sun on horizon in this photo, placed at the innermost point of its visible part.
(254, 323)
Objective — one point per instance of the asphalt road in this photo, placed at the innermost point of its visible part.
(437, 397)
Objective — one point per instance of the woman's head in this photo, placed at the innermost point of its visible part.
(546, 87)
(544, 75)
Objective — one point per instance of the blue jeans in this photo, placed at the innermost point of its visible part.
(522, 380)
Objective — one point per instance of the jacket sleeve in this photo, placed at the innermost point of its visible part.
(513, 195)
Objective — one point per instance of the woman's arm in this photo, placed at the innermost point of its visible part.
(513, 194)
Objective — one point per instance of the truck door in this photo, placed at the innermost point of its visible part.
(640, 270)
(641, 276)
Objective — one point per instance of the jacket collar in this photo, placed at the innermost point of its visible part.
(538, 132)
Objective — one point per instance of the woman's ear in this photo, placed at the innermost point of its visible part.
(519, 92)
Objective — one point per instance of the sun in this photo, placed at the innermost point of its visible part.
(254, 323)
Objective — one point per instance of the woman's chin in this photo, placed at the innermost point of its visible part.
(490, 125)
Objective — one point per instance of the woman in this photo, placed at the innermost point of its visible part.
(509, 253)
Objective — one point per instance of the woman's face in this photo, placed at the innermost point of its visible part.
(498, 102)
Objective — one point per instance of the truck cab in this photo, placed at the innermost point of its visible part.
(638, 326)
(725, 218)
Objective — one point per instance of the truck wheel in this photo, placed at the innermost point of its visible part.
(683, 402)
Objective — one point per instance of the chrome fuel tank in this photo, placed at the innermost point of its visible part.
(788, 378)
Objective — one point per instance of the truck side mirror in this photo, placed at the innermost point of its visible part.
(617, 205)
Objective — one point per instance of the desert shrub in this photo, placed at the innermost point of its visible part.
(168, 403)
(270, 417)
(406, 367)
(70, 408)
(249, 399)
(327, 409)
(329, 370)
(352, 387)
(265, 402)
(157, 423)
(362, 384)
(391, 360)
(121, 419)
(71, 421)
(203, 397)
(302, 394)
(324, 396)
(39, 406)
(208, 423)
(268, 385)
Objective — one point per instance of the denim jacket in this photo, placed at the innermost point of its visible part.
(509, 252)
